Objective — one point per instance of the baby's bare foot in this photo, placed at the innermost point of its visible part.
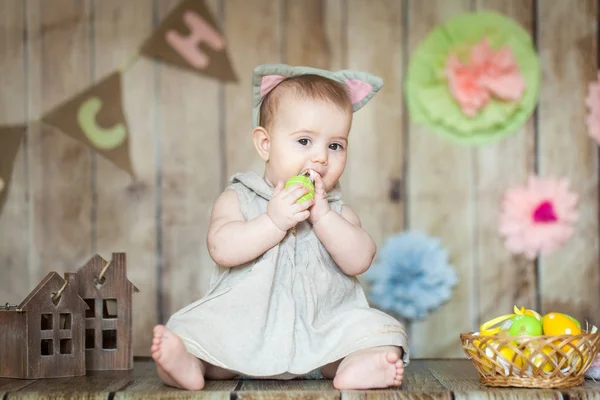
(369, 370)
(176, 367)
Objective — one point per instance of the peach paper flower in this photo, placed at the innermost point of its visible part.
(538, 218)
(593, 102)
(487, 73)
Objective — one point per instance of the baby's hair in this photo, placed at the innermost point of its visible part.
(306, 86)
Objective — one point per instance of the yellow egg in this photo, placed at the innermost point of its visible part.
(574, 358)
(559, 324)
(508, 353)
(539, 360)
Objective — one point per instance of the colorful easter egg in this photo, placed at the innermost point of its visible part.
(560, 324)
(525, 325)
(547, 362)
(306, 182)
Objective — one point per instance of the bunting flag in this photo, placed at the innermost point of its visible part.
(189, 38)
(10, 141)
(95, 117)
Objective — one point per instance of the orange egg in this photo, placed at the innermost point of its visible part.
(559, 324)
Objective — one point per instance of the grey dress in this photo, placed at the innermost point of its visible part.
(286, 313)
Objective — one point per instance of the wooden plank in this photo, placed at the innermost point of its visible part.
(569, 278)
(461, 378)
(9, 385)
(14, 228)
(455, 374)
(125, 216)
(312, 32)
(502, 280)
(394, 395)
(247, 22)
(95, 385)
(581, 393)
(172, 393)
(418, 378)
(441, 204)
(189, 110)
(60, 174)
(57, 396)
(285, 393)
(373, 182)
(147, 384)
(508, 394)
(285, 385)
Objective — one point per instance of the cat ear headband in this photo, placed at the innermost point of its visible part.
(362, 86)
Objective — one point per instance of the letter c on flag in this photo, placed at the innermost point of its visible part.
(102, 138)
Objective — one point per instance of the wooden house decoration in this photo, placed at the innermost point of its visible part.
(108, 320)
(43, 336)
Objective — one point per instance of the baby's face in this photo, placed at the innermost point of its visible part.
(308, 134)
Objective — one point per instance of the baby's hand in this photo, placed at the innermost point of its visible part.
(321, 206)
(283, 209)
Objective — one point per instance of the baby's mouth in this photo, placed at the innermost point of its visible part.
(310, 174)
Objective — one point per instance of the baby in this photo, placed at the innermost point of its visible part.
(284, 300)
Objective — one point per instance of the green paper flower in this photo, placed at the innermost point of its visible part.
(430, 100)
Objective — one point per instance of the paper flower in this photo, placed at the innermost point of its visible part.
(474, 79)
(593, 102)
(487, 73)
(538, 218)
(411, 276)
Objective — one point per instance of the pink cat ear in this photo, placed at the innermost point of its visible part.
(268, 82)
(358, 90)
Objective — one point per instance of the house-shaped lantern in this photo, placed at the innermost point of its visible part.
(43, 336)
(108, 293)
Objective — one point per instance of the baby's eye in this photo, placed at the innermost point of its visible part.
(335, 146)
(304, 142)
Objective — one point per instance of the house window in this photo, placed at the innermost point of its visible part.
(109, 339)
(65, 321)
(109, 309)
(47, 322)
(91, 311)
(66, 346)
(89, 339)
(47, 347)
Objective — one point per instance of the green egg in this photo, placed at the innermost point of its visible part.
(306, 182)
(575, 321)
(525, 325)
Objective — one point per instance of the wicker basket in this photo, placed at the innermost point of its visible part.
(531, 361)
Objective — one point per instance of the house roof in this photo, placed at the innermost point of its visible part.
(51, 277)
(101, 261)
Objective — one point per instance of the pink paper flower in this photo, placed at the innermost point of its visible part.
(487, 73)
(539, 217)
(593, 102)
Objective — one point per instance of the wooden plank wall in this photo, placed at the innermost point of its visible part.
(190, 133)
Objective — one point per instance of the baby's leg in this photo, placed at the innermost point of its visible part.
(377, 367)
(175, 366)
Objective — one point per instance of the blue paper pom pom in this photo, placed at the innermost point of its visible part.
(411, 276)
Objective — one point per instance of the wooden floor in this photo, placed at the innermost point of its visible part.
(424, 379)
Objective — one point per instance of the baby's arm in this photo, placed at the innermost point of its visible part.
(350, 246)
(233, 241)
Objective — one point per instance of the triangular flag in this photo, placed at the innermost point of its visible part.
(95, 117)
(189, 38)
(10, 142)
